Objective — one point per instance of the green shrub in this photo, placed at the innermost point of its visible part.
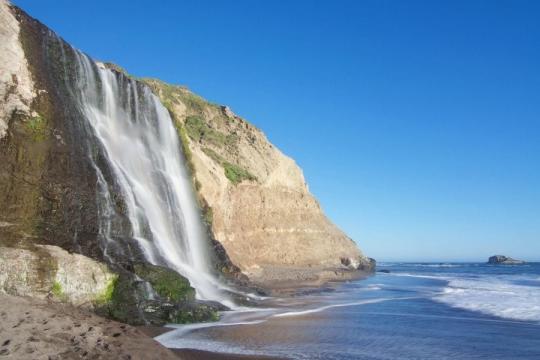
(236, 174)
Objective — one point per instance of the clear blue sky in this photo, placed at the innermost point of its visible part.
(417, 123)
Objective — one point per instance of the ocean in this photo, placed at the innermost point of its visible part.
(416, 311)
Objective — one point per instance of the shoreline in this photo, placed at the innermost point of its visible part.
(291, 281)
(42, 328)
(197, 354)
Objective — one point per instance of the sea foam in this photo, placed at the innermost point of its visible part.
(502, 296)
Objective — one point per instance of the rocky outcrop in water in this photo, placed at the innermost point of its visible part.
(504, 260)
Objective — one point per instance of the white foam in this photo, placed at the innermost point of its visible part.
(498, 296)
(418, 276)
(326, 307)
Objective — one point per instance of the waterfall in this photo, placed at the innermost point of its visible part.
(137, 138)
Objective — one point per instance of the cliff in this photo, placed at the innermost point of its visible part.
(58, 193)
(52, 242)
(255, 198)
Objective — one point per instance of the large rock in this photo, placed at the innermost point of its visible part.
(256, 199)
(504, 260)
(49, 271)
(155, 295)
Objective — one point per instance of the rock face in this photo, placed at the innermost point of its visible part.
(255, 198)
(49, 271)
(264, 221)
(16, 85)
(504, 260)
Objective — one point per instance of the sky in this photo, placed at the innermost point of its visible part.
(417, 123)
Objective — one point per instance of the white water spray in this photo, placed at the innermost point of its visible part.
(142, 149)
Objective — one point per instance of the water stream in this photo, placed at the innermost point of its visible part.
(137, 137)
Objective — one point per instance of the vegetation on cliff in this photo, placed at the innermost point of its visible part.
(195, 125)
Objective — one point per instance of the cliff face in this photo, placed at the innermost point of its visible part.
(49, 194)
(255, 198)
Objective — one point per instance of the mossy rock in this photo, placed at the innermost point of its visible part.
(193, 313)
(169, 284)
(128, 300)
(121, 301)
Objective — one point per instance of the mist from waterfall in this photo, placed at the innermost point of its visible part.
(141, 146)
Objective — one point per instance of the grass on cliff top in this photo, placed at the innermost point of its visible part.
(170, 94)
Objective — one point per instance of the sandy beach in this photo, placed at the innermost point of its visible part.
(39, 329)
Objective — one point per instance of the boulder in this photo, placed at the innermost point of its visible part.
(45, 271)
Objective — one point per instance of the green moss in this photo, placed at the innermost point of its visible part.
(36, 127)
(120, 301)
(108, 293)
(208, 215)
(57, 290)
(166, 282)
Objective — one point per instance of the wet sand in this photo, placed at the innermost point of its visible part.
(195, 354)
(192, 354)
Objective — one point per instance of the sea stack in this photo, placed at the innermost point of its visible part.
(504, 260)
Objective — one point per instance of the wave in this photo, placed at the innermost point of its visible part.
(505, 297)
(434, 277)
(326, 307)
(429, 265)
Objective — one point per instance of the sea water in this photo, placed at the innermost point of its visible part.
(417, 311)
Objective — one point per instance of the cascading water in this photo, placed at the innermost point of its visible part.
(137, 137)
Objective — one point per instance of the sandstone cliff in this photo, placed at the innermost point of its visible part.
(255, 198)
